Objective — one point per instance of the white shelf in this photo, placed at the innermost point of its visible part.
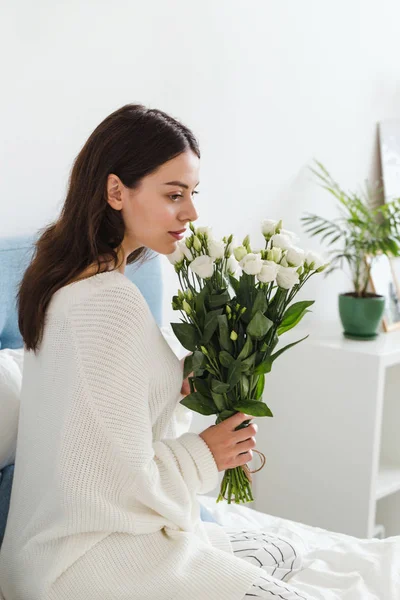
(388, 481)
(386, 347)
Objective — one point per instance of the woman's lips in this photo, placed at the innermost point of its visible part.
(177, 236)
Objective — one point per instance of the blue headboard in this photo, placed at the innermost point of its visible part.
(15, 256)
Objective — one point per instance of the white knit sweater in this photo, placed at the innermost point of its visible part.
(104, 503)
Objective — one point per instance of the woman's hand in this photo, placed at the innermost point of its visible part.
(185, 389)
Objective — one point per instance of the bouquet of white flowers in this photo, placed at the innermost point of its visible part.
(236, 303)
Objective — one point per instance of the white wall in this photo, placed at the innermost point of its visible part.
(266, 86)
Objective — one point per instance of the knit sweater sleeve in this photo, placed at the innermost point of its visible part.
(111, 331)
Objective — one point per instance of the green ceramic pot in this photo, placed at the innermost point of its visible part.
(361, 316)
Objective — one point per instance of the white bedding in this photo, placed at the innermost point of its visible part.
(337, 566)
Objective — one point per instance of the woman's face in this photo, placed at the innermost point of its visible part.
(162, 202)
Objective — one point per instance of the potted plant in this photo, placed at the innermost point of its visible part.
(364, 230)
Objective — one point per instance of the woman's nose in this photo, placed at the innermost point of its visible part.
(191, 212)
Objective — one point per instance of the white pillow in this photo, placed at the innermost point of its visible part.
(173, 342)
(11, 364)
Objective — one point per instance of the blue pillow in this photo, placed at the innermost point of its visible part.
(205, 515)
(6, 478)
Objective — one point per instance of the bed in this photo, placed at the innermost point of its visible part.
(336, 566)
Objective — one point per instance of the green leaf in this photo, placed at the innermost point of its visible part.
(259, 326)
(187, 365)
(199, 403)
(221, 299)
(210, 325)
(225, 414)
(187, 335)
(264, 367)
(202, 387)
(198, 361)
(220, 387)
(275, 356)
(224, 334)
(193, 363)
(392, 246)
(234, 373)
(247, 348)
(253, 407)
(199, 302)
(225, 359)
(244, 386)
(260, 303)
(219, 401)
(248, 363)
(293, 315)
(260, 387)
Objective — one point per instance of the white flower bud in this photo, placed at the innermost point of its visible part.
(229, 247)
(246, 243)
(239, 252)
(275, 254)
(196, 243)
(186, 307)
(269, 227)
(320, 269)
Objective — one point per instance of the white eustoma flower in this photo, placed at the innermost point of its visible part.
(268, 227)
(287, 277)
(175, 256)
(207, 231)
(251, 263)
(290, 234)
(279, 240)
(268, 272)
(239, 252)
(313, 260)
(231, 265)
(203, 266)
(295, 256)
(186, 251)
(216, 249)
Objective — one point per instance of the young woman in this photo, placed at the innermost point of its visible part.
(104, 503)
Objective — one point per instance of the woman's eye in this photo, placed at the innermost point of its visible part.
(175, 196)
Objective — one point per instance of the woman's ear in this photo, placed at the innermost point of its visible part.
(114, 191)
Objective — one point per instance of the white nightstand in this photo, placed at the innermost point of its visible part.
(333, 445)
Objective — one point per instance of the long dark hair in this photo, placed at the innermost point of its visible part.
(131, 143)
